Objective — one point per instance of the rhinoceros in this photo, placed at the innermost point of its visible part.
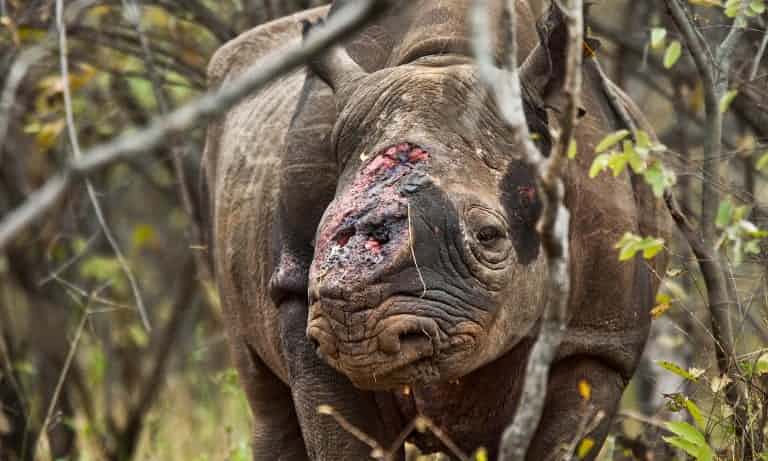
(373, 234)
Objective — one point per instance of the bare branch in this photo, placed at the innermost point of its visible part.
(714, 71)
(131, 145)
(759, 56)
(14, 78)
(554, 223)
(62, 379)
(720, 286)
(73, 139)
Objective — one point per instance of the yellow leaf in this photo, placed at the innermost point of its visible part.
(585, 389)
(98, 11)
(585, 447)
(48, 134)
(31, 34)
(481, 454)
(144, 236)
(659, 310)
(706, 3)
(696, 98)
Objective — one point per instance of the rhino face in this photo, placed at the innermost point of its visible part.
(427, 262)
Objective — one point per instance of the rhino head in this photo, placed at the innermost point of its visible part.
(427, 263)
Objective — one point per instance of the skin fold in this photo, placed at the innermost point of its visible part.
(372, 225)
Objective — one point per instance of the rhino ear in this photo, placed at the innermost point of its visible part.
(543, 71)
(335, 67)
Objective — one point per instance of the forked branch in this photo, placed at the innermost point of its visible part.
(553, 225)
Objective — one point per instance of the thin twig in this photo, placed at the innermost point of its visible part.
(759, 56)
(131, 145)
(413, 253)
(62, 378)
(68, 263)
(629, 414)
(377, 451)
(77, 154)
(588, 423)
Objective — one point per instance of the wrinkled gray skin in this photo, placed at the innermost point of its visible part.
(374, 242)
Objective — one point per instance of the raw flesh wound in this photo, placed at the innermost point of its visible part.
(369, 220)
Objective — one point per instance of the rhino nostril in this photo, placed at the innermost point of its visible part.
(380, 233)
(342, 238)
(413, 337)
(324, 343)
(409, 337)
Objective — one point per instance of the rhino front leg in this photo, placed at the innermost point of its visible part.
(276, 431)
(566, 412)
(315, 383)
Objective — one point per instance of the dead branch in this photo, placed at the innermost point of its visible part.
(131, 145)
(554, 223)
(714, 71)
(77, 154)
(62, 378)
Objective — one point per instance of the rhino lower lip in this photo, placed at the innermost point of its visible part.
(416, 358)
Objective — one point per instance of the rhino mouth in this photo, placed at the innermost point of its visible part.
(400, 349)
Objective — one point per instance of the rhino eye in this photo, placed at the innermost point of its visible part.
(489, 234)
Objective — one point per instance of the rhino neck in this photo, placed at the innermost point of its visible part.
(474, 410)
(418, 28)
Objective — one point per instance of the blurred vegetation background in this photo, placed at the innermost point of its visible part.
(171, 393)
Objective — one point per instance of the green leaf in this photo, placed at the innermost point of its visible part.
(687, 432)
(733, 8)
(611, 140)
(100, 268)
(727, 99)
(599, 164)
(659, 178)
(652, 247)
(674, 50)
(689, 439)
(676, 369)
(724, 214)
(762, 162)
(695, 413)
(143, 235)
(630, 244)
(643, 139)
(679, 442)
(752, 247)
(658, 34)
(618, 163)
(761, 366)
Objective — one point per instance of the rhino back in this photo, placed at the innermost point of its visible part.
(242, 161)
